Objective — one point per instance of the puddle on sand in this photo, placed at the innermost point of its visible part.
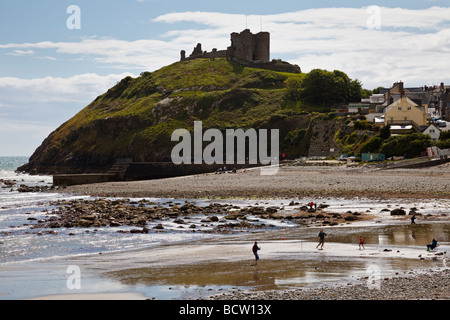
(302, 270)
(391, 235)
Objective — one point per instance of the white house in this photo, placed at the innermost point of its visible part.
(433, 131)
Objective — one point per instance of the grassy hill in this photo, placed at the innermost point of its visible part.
(136, 118)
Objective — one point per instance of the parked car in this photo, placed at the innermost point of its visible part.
(441, 123)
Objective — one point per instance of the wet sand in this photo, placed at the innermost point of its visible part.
(94, 296)
(290, 267)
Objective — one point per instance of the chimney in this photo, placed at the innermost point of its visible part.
(442, 86)
(401, 89)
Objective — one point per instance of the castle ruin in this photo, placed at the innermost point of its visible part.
(248, 49)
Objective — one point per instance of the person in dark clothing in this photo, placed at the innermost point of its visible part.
(322, 236)
(255, 252)
(432, 245)
(412, 219)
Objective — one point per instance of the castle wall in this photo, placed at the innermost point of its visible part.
(262, 49)
(199, 54)
(244, 46)
(250, 47)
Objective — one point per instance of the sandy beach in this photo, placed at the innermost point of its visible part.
(291, 267)
(289, 182)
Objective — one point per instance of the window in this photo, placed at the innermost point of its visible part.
(409, 108)
(399, 108)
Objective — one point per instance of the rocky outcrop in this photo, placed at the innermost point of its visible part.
(136, 118)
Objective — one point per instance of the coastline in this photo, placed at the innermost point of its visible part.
(291, 182)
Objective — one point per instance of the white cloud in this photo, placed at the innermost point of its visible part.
(331, 38)
(408, 42)
(20, 53)
(411, 45)
(78, 88)
(32, 108)
(140, 55)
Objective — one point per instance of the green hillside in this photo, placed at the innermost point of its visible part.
(136, 118)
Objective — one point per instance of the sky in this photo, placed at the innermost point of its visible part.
(57, 56)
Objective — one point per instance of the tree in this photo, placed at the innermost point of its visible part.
(356, 92)
(318, 87)
(294, 87)
(385, 132)
(325, 88)
(408, 145)
(377, 90)
(372, 145)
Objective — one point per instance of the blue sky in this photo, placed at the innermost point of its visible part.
(49, 72)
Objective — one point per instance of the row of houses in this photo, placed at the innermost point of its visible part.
(406, 109)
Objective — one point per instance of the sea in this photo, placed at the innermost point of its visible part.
(19, 242)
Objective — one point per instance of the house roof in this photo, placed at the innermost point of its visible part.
(415, 89)
(397, 102)
(431, 125)
(401, 127)
(377, 98)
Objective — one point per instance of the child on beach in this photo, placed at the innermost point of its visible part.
(361, 242)
(255, 252)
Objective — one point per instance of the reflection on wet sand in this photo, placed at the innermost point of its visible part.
(293, 262)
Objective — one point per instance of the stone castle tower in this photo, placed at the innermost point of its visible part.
(247, 49)
(250, 47)
(244, 46)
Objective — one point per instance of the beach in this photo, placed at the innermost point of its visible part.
(419, 285)
(289, 182)
(198, 257)
(289, 269)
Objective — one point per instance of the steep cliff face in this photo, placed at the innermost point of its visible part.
(136, 118)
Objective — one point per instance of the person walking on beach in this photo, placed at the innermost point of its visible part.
(322, 236)
(412, 219)
(361, 242)
(255, 252)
